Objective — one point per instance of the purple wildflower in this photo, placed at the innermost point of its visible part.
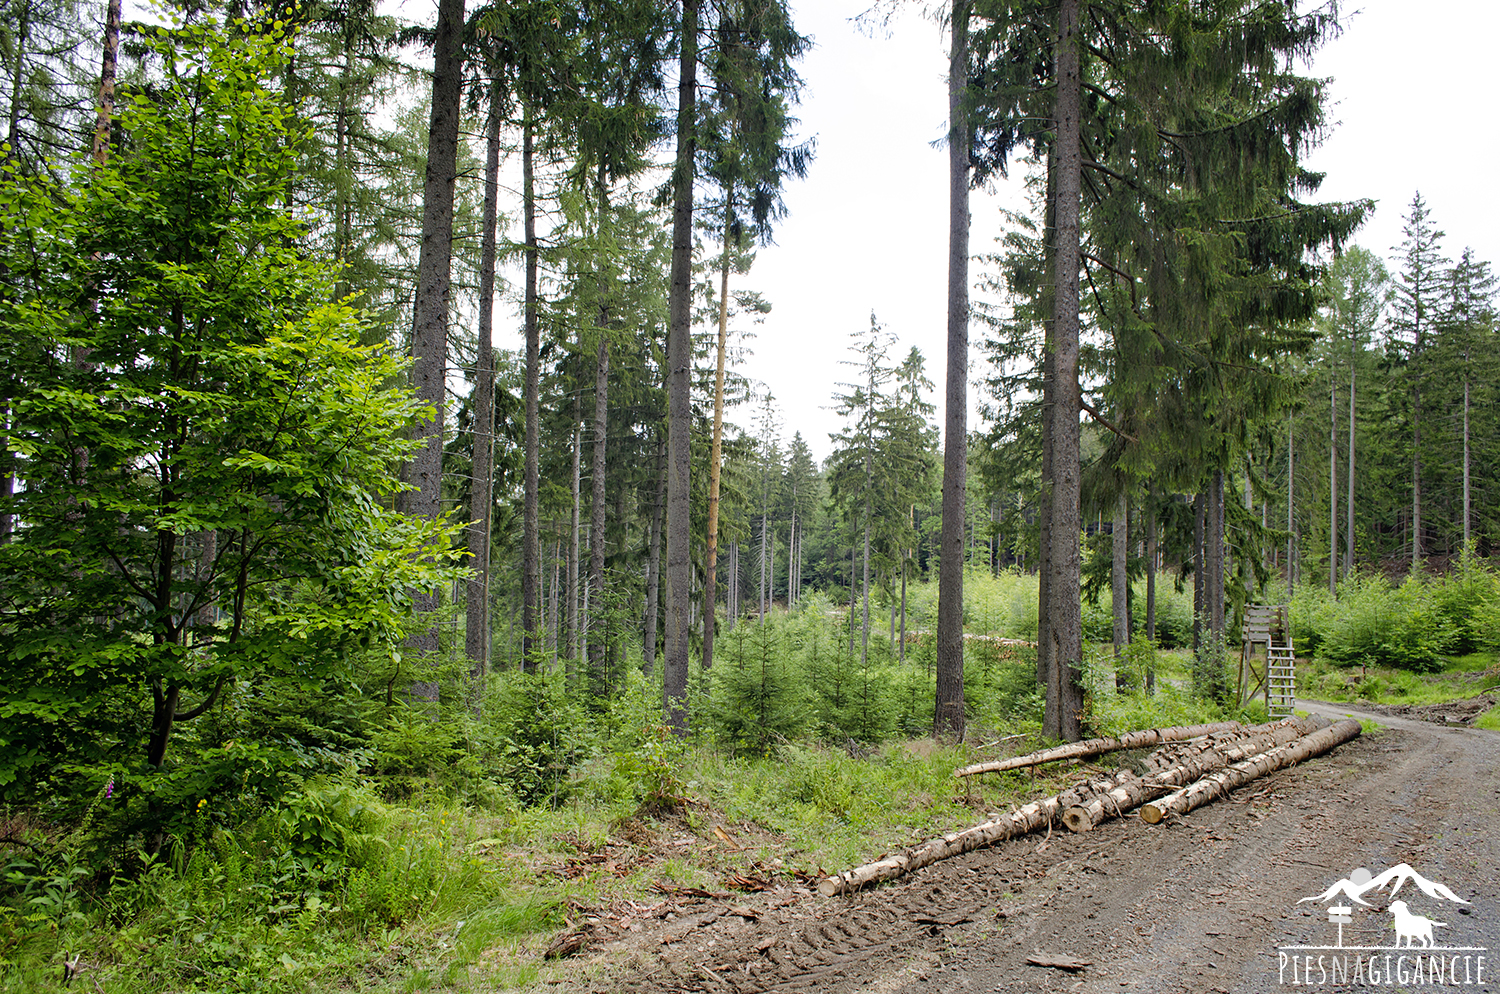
(109, 788)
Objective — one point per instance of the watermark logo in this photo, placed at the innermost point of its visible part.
(1416, 954)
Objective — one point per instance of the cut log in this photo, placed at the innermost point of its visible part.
(1222, 782)
(1028, 818)
(1039, 814)
(1136, 791)
(1096, 747)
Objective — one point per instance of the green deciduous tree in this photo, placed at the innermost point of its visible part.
(233, 523)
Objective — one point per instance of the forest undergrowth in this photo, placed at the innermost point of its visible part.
(364, 842)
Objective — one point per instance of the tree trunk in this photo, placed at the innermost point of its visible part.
(1332, 485)
(1031, 817)
(1417, 549)
(901, 645)
(1214, 581)
(531, 542)
(761, 602)
(576, 621)
(1200, 599)
(732, 607)
(864, 585)
(106, 103)
(948, 712)
(679, 373)
(716, 447)
(1064, 623)
(1120, 575)
(1291, 465)
(792, 577)
(430, 306)
(597, 674)
(653, 565)
(1467, 512)
(1152, 529)
(1349, 497)
(481, 493)
(549, 639)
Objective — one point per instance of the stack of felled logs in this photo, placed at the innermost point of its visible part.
(1194, 765)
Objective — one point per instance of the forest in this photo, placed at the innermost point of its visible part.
(324, 621)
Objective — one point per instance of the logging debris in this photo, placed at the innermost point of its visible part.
(1191, 771)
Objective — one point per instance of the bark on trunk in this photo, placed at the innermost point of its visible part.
(1120, 576)
(430, 307)
(732, 608)
(1214, 581)
(576, 621)
(481, 493)
(716, 446)
(531, 541)
(106, 103)
(1333, 486)
(1291, 465)
(948, 712)
(653, 565)
(1198, 572)
(1151, 552)
(1064, 621)
(679, 372)
(597, 505)
(1031, 817)
(1349, 497)
(1417, 549)
(1044, 499)
(1467, 513)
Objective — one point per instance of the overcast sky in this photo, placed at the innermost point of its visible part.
(868, 227)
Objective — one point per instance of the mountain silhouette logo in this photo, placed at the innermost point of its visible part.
(1361, 882)
(1420, 957)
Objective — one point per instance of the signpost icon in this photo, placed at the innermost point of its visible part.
(1340, 915)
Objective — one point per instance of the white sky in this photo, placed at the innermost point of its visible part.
(868, 227)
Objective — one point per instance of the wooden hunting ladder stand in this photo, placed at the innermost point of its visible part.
(1269, 625)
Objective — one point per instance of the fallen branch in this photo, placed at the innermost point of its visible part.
(1096, 747)
(1132, 793)
(1217, 784)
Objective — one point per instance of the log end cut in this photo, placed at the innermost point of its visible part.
(1078, 819)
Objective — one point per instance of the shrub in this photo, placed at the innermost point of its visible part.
(1460, 599)
(1376, 625)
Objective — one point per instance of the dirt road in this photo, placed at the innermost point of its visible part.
(1196, 904)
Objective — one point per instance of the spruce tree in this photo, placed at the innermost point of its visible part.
(1416, 307)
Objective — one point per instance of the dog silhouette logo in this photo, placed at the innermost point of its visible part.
(1413, 927)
